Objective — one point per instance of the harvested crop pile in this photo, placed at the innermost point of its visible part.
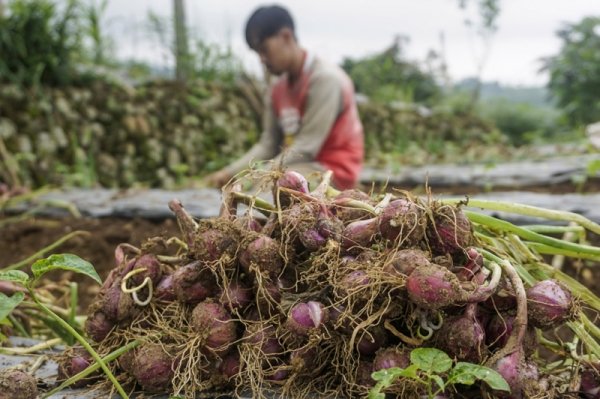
(116, 136)
(328, 288)
(160, 133)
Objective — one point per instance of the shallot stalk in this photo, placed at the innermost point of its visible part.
(253, 202)
(520, 322)
(92, 368)
(578, 289)
(352, 213)
(526, 234)
(354, 203)
(320, 191)
(549, 250)
(186, 222)
(64, 324)
(484, 291)
(229, 201)
(120, 255)
(528, 210)
(509, 361)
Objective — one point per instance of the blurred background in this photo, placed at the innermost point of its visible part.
(160, 93)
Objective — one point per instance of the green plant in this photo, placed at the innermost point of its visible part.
(593, 167)
(591, 170)
(208, 61)
(39, 268)
(100, 44)
(388, 76)
(575, 71)
(39, 42)
(93, 367)
(434, 369)
(160, 28)
(7, 304)
(522, 123)
(213, 62)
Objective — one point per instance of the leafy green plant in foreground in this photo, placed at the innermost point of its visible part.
(39, 268)
(434, 370)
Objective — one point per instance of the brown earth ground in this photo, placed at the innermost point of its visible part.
(21, 240)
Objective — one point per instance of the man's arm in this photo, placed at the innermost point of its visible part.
(264, 149)
(323, 105)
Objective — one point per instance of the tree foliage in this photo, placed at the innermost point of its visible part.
(38, 43)
(388, 76)
(488, 10)
(100, 44)
(206, 60)
(575, 71)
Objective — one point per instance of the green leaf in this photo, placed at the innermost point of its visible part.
(431, 360)
(375, 392)
(15, 276)
(438, 380)
(409, 372)
(467, 373)
(593, 167)
(388, 376)
(8, 303)
(57, 329)
(462, 378)
(65, 262)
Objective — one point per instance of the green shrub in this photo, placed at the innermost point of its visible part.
(211, 62)
(388, 76)
(39, 43)
(575, 71)
(522, 123)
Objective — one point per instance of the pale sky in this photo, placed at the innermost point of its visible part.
(335, 29)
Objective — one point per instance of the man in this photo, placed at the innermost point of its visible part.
(313, 124)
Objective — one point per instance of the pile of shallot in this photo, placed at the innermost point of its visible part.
(308, 293)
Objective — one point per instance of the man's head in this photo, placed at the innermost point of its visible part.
(270, 32)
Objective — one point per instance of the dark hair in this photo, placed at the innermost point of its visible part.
(266, 22)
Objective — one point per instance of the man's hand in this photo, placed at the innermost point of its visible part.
(218, 178)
